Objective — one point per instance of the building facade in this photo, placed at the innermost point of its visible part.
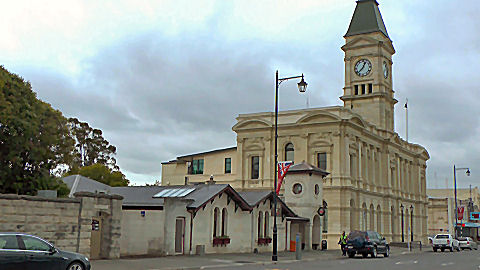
(377, 180)
(441, 211)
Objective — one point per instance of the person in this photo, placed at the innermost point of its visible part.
(343, 243)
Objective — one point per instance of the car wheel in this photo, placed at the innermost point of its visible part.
(387, 252)
(75, 266)
(374, 252)
(451, 249)
(434, 250)
(365, 255)
(442, 249)
(351, 254)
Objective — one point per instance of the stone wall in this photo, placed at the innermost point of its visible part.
(65, 222)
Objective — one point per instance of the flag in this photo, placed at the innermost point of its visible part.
(282, 171)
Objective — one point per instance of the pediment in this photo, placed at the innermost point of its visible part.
(317, 118)
(252, 124)
(360, 41)
(359, 121)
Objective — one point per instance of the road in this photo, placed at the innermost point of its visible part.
(427, 260)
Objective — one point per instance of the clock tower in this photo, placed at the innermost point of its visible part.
(368, 51)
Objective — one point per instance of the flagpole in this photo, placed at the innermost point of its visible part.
(406, 117)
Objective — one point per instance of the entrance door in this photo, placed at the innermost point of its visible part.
(95, 237)
(179, 234)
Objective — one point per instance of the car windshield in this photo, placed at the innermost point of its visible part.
(442, 236)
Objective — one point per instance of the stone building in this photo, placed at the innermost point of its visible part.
(377, 180)
(441, 211)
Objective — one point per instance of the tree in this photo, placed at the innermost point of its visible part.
(90, 146)
(34, 138)
(103, 174)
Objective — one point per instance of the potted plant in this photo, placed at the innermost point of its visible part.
(268, 240)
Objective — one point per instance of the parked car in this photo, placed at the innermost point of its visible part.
(365, 243)
(28, 252)
(467, 242)
(445, 241)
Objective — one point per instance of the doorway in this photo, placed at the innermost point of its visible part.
(96, 237)
(179, 235)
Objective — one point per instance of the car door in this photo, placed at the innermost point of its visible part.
(11, 255)
(40, 255)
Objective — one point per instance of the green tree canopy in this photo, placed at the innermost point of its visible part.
(103, 174)
(34, 138)
(90, 146)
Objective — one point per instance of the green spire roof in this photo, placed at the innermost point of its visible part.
(366, 19)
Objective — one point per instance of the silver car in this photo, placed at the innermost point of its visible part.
(467, 242)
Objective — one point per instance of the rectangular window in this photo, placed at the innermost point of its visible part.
(322, 161)
(228, 165)
(255, 167)
(356, 89)
(363, 89)
(370, 88)
(196, 167)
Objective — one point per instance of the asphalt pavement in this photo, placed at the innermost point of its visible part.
(400, 259)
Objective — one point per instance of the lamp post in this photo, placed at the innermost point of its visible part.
(467, 171)
(302, 87)
(411, 223)
(403, 236)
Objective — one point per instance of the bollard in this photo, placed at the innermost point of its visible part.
(298, 247)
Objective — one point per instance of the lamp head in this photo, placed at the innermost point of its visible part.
(468, 172)
(401, 206)
(302, 86)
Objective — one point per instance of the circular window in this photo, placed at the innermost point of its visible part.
(317, 189)
(297, 188)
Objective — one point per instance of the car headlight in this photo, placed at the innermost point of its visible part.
(87, 259)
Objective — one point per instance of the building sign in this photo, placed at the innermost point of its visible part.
(460, 211)
(475, 216)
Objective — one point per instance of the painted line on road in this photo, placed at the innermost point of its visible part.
(446, 264)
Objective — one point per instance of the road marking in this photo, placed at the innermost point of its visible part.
(406, 262)
(446, 264)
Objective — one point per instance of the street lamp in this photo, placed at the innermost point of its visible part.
(302, 87)
(455, 184)
(411, 223)
(403, 236)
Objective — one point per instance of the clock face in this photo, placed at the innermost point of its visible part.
(363, 67)
(385, 70)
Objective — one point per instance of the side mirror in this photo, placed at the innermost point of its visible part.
(53, 250)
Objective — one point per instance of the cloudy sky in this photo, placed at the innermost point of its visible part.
(167, 78)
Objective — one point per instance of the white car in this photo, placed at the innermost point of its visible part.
(467, 242)
(445, 241)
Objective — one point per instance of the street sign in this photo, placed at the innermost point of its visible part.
(475, 216)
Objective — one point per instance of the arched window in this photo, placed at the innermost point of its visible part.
(379, 219)
(266, 225)
(325, 218)
(224, 221)
(392, 221)
(353, 219)
(364, 216)
(289, 152)
(372, 218)
(260, 223)
(216, 214)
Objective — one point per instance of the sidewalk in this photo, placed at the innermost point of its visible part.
(192, 262)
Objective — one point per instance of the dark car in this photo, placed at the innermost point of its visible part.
(365, 243)
(27, 252)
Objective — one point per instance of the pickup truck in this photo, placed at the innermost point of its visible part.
(445, 241)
